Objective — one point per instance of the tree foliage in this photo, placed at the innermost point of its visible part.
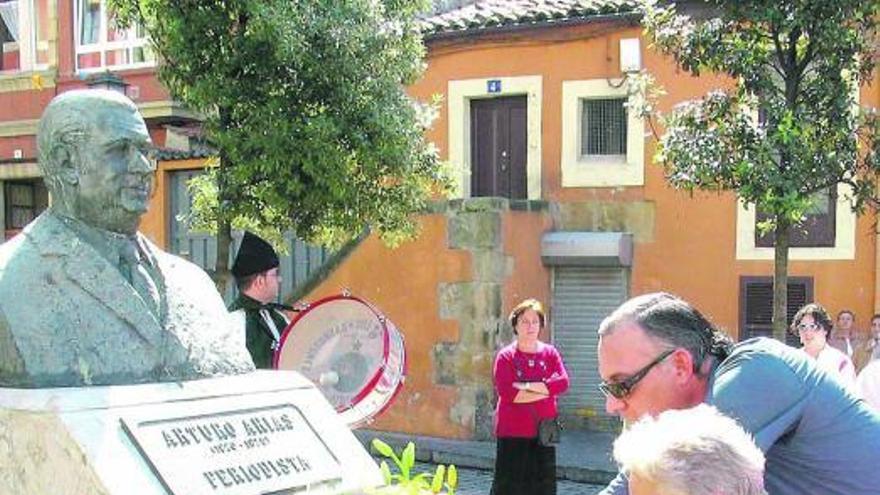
(304, 102)
(796, 63)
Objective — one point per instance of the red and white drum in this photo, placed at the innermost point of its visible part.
(349, 350)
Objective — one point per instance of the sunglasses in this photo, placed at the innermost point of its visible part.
(623, 388)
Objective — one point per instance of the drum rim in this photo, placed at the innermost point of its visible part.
(404, 370)
(386, 345)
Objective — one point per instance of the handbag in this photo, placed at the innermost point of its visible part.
(549, 432)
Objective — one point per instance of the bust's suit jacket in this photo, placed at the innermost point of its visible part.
(69, 318)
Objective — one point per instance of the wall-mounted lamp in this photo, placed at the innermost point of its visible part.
(630, 55)
(106, 80)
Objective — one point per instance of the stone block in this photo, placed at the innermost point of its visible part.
(536, 205)
(451, 296)
(445, 372)
(485, 204)
(475, 230)
(484, 415)
(491, 266)
(486, 300)
(463, 410)
(637, 217)
(469, 301)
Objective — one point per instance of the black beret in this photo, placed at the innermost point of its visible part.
(254, 256)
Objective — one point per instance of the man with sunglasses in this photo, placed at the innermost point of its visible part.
(657, 353)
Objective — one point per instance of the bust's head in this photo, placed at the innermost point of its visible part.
(94, 152)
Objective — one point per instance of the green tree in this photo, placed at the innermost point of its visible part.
(797, 63)
(305, 103)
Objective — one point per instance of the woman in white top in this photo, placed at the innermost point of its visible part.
(869, 384)
(813, 326)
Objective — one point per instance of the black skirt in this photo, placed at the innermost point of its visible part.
(522, 467)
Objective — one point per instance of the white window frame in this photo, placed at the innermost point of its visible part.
(844, 234)
(599, 170)
(103, 46)
(459, 96)
(27, 44)
(844, 226)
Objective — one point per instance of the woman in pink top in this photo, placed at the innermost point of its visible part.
(529, 375)
(814, 326)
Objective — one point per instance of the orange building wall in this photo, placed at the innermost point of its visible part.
(687, 245)
(690, 247)
(402, 283)
(528, 277)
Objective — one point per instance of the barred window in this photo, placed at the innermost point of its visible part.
(603, 126)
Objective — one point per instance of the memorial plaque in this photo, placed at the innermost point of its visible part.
(267, 432)
(236, 452)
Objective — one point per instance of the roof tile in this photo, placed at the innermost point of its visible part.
(169, 154)
(487, 14)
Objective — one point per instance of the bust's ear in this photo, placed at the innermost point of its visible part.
(64, 157)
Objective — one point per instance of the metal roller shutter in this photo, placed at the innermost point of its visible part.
(582, 297)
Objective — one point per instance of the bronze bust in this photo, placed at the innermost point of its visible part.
(84, 298)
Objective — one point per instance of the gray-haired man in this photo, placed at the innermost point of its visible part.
(656, 353)
(696, 451)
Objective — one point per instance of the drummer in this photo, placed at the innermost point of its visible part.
(256, 275)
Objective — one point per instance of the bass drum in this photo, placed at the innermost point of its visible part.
(354, 355)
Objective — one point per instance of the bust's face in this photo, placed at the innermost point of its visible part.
(115, 170)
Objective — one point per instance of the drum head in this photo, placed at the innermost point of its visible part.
(350, 351)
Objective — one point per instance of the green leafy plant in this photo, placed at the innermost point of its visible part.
(407, 482)
(305, 105)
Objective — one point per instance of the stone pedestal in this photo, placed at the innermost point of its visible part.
(264, 432)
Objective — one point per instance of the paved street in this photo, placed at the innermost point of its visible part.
(478, 482)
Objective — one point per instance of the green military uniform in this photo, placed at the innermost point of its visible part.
(260, 338)
(264, 323)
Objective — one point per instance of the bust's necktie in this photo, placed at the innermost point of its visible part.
(135, 271)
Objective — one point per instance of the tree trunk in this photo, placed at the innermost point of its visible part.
(780, 280)
(222, 275)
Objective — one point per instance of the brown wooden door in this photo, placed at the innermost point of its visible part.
(498, 147)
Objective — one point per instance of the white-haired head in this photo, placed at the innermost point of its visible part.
(696, 451)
